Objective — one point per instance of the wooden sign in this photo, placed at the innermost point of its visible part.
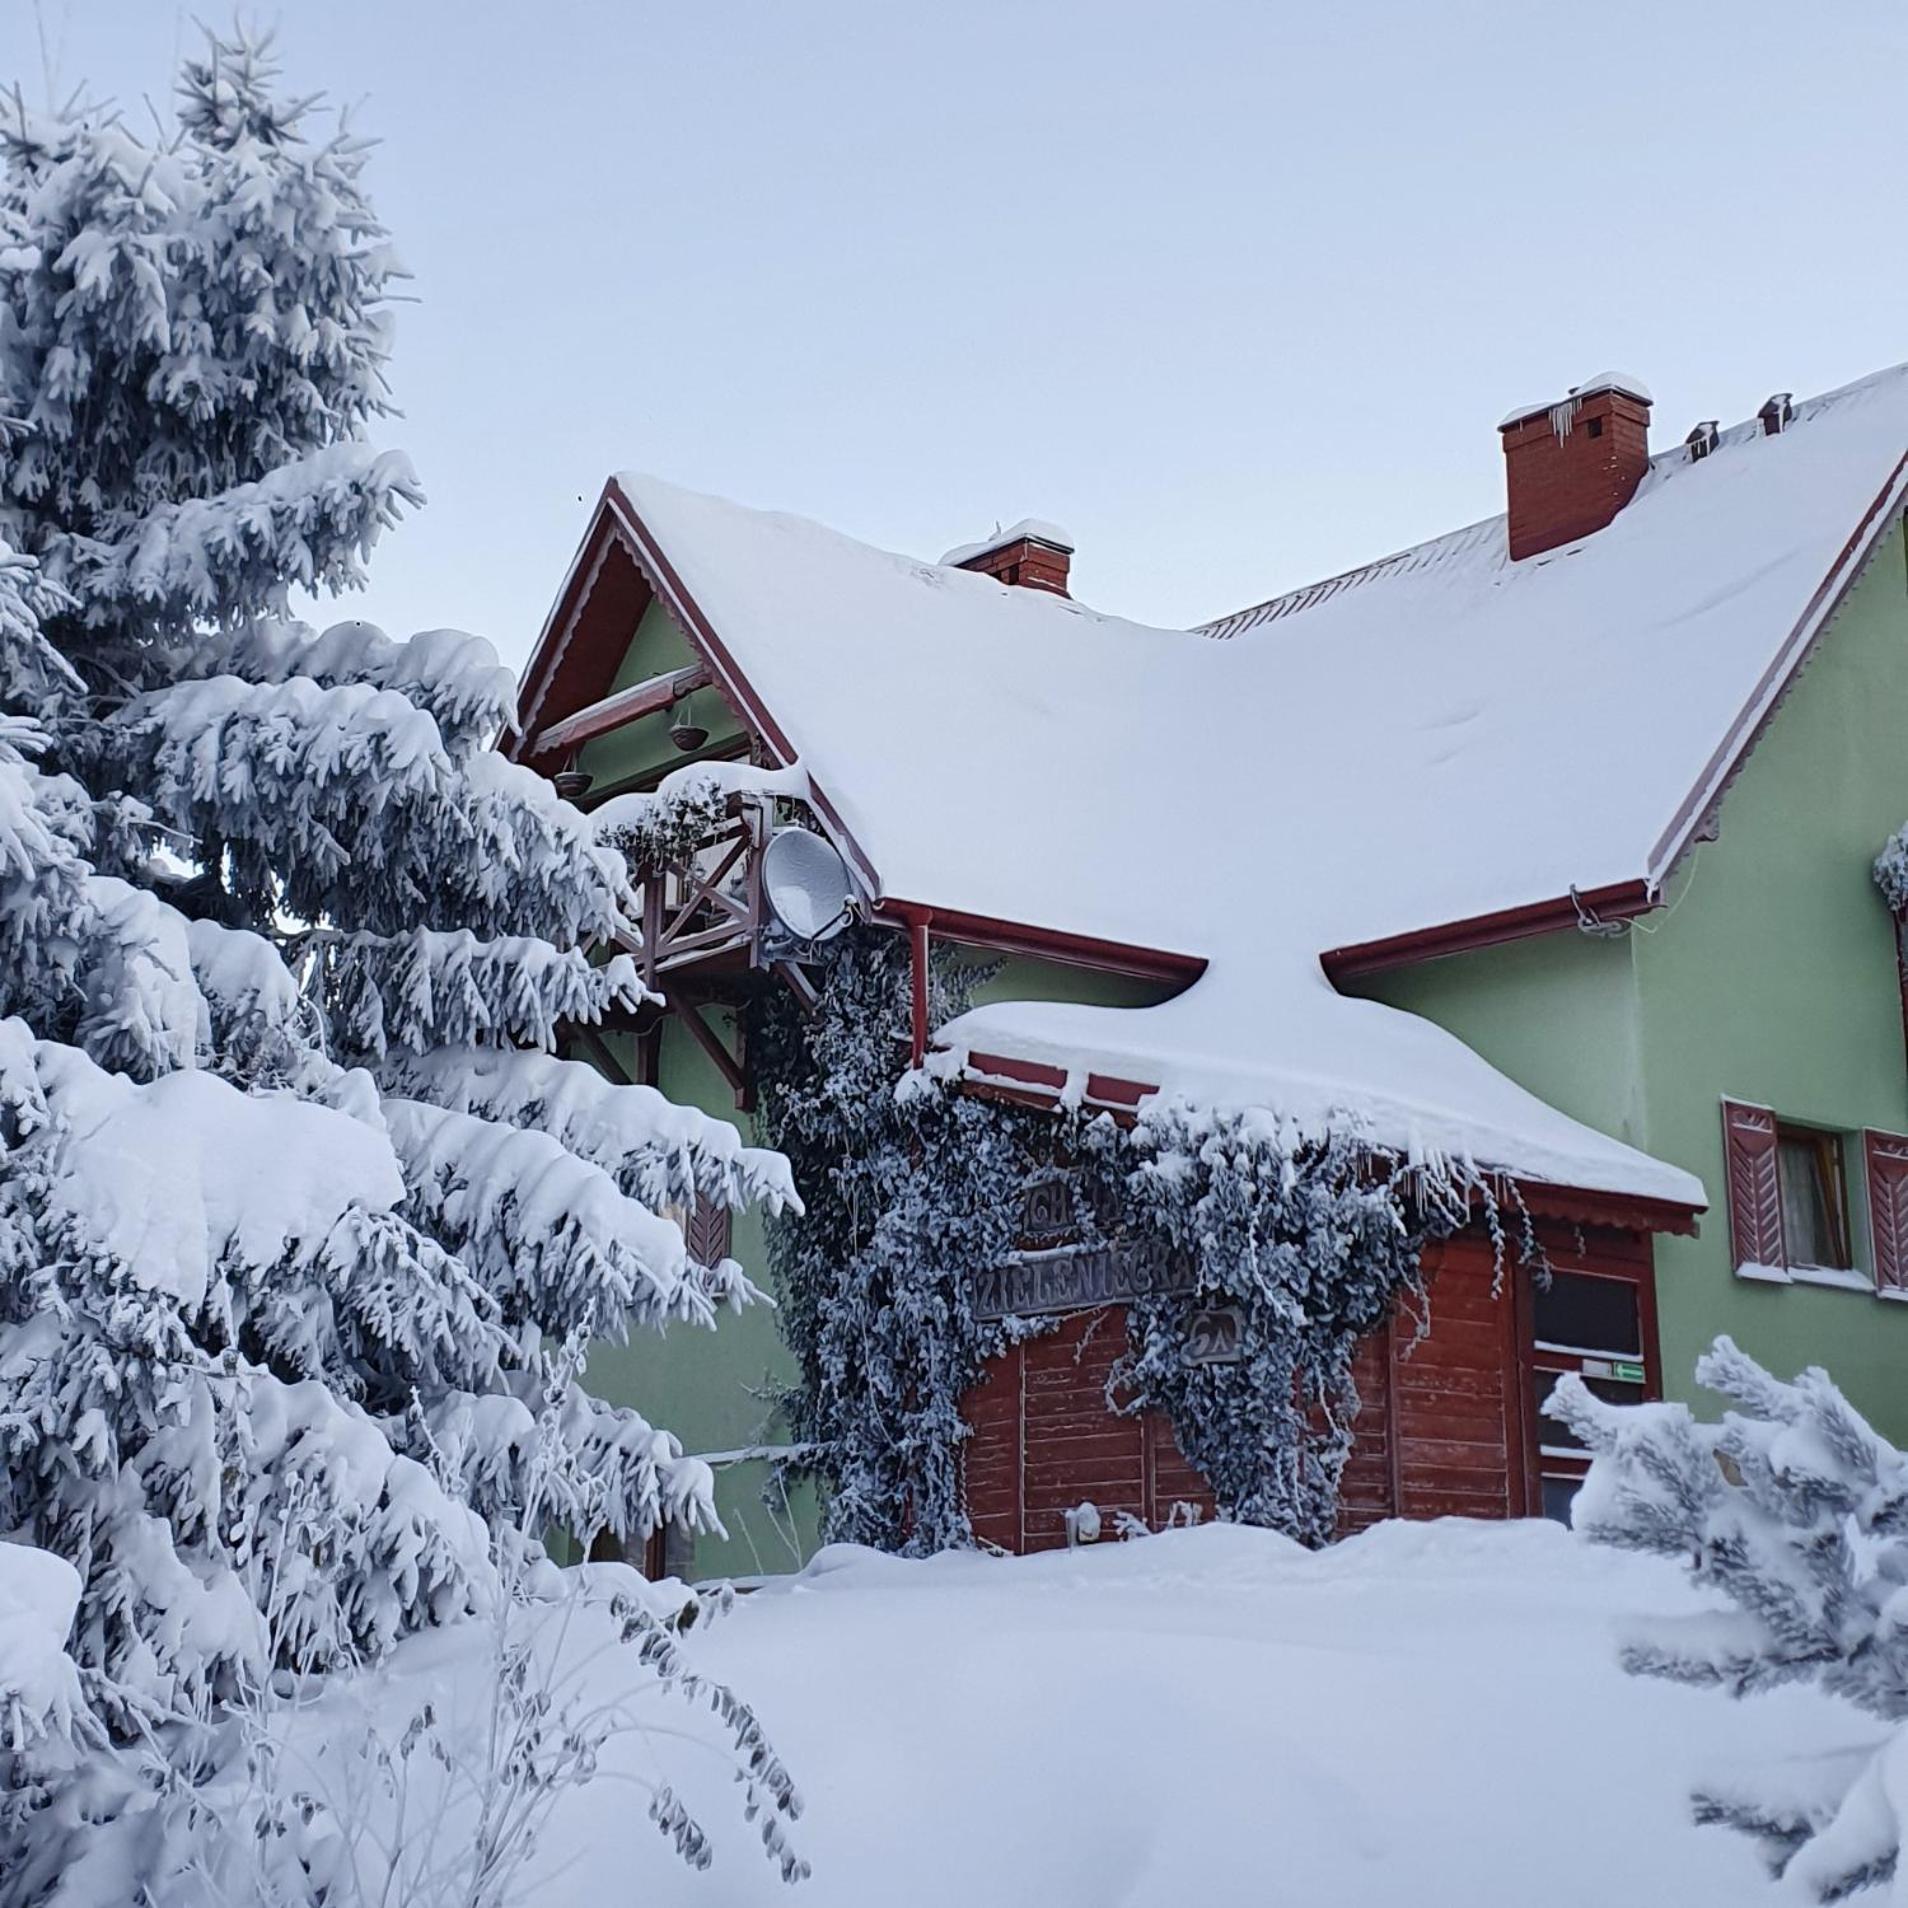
(1077, 1278)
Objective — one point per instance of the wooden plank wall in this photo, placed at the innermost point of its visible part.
(1443, 1430)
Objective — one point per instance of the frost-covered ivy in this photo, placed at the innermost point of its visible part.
(914, 1187)
(910, 1191)
(1891, 871)
(1309, 1239)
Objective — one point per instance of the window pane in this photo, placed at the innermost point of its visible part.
(1559, 1492)
(1596, 1315)
(1808, 1168)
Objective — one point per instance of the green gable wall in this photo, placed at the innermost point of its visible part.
(1770, 977)
(715, 1389)
(639, 750)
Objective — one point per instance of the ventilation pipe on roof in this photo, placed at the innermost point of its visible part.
(1702, 440)
(1776, 415)
(1571, 464)
(1031, 554)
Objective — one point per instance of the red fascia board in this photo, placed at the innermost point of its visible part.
(1622, 901)
(1628, 1212)
(1052, 944)
(549, 644)
(1041, 1084)
(1038, 1083)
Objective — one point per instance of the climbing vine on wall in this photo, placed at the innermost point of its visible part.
(913, 1188)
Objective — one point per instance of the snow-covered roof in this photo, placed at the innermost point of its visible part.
(1441, 735)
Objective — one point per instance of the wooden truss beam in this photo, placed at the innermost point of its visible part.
(733, 1067)
(626, 705)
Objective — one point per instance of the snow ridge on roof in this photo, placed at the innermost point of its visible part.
(1486, 537)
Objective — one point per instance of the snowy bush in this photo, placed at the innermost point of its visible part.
(914, 1187)
(1795, 1511)
(294, 1190)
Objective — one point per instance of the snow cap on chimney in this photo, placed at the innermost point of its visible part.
(1030, 553)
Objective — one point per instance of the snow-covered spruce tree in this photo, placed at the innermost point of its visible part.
(914, 1187)
(1796, 1511)
(293, 1190)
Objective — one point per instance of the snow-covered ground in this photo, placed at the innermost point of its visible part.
(1427, 1714)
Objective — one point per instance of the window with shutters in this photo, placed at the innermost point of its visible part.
(1792, 1199)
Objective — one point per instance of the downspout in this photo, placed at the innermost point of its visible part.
(918, 919)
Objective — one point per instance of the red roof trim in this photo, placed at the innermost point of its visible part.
(1631, 1212)
(1037, 1083)
(1621, 901)
(552, 639)
(1052, 944)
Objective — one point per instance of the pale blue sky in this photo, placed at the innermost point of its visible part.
(1235, 291)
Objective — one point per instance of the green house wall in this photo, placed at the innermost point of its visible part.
(1770, 976)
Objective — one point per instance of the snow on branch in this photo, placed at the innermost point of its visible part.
(656, 1151)
(187, 1175)
(428, 988)
(309, 524)
(548, 1234)
(456, 679)
(39, 1684)
(1795, 1511)
(144, 1014)
(595, 1465)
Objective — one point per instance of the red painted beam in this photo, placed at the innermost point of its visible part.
(1053, 944)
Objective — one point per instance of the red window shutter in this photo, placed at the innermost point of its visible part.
(1885, 1158)
(707, 1233)
(1755, 1192)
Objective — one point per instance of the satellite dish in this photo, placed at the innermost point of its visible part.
(806, 885)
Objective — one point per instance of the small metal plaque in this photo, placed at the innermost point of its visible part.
(1077, 1279)
(1216, 1337)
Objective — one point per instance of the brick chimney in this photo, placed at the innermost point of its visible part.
(1032, 554)
(1569, 467)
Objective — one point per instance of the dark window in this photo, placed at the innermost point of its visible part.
(1589, 1314)
(1595, 427)
(1559, 1494)
(1814, 1189)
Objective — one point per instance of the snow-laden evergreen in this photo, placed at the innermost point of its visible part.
(295, 1196)
(914, 1187)
(1795, 1510)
